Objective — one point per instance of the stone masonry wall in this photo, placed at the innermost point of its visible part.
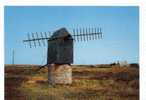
(60, 74)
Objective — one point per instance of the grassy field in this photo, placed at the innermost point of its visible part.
(23, 82)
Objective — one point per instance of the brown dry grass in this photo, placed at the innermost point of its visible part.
(89, 83)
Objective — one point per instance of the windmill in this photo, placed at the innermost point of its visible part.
(60, 50)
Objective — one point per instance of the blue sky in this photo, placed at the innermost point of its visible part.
(120, 27)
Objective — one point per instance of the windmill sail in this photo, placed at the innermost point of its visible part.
(79, 34)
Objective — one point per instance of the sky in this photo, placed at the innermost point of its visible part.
(120, 27)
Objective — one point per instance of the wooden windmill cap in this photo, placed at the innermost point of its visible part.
(61, 33)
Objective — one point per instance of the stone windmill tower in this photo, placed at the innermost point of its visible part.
(60, 51)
